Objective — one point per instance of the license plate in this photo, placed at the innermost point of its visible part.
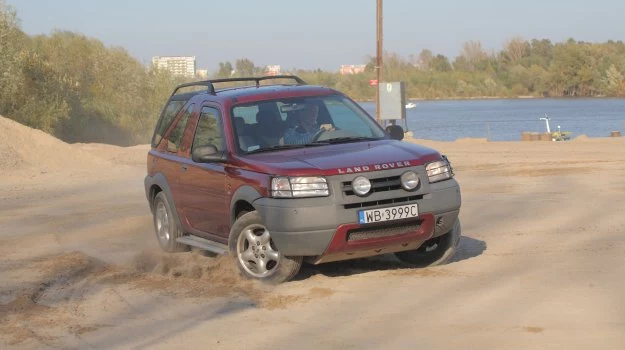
(388, 214)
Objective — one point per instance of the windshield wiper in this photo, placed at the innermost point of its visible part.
(280, 147)
(347, 139)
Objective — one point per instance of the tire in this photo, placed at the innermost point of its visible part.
(260, 261)
(435, 251)
(165, 225)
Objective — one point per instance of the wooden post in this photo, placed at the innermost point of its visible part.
(378, 64)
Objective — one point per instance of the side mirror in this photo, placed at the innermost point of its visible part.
(207, 154)
(396, 132)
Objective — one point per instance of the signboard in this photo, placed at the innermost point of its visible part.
(373, 82)
(392, 100)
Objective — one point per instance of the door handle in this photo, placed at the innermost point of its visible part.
(183, 167)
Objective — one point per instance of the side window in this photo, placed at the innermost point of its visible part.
(169, 113)
(174, 139)
(209, 130)
(344, 118)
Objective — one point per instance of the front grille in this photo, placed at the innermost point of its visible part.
(382, 202)
(382, 184)
(385, 231)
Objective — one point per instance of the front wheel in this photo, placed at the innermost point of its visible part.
(435, 251)
(255, 253)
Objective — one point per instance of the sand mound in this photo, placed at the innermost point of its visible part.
(135, 155)
(23, 147)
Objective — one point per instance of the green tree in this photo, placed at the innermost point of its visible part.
(11, 52)
(541, 53)
(573, 70)
(225, 70)
(425, 59)
(515, 50)
(244, 68)
(614, 82)
(472, 57)
(440, 63)
(41, 101)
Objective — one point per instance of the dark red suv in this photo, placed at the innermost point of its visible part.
(278, 174)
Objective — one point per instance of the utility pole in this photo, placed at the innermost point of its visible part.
(378, 65)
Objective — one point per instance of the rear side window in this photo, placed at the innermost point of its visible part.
(209, 131)
(175, 137)
(169, 113)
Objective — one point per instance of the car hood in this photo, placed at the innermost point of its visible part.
(340, 158)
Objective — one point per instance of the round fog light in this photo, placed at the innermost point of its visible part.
(409, 180)
(361, 185)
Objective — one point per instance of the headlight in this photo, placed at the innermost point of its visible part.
(409, 180)
(288, 187)
(439, 170)
(361, 185)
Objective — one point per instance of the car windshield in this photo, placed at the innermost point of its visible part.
(301, 122)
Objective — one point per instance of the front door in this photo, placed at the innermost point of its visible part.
(203, 185)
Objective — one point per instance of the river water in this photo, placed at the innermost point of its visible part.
(506, 119)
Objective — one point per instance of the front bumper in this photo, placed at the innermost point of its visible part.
(321, 227)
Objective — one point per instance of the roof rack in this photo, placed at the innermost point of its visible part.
(211, 89)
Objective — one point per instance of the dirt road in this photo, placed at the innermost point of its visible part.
(542, 265)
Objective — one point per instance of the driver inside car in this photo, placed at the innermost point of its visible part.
(307, 127)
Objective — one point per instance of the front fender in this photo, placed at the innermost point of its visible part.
(244, 193)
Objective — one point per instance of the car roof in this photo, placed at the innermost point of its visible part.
(272, 92)
(251, 93)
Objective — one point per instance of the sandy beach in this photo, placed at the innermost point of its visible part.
(541, 264)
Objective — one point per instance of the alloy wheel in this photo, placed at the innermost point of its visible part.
(162, 224)
(256, 252)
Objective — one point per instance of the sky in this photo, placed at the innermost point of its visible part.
(317, 34)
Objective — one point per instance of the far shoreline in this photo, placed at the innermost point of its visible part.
(522, 97)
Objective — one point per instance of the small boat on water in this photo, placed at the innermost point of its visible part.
(411, 105)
